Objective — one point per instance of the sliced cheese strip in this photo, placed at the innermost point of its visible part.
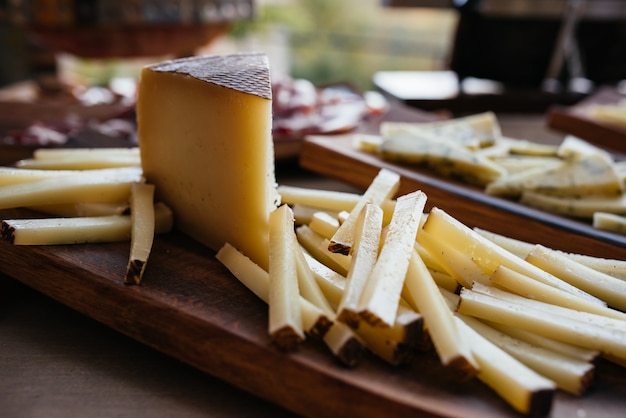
(45, 153)
(80, 162)
(383, 187)
(85, 187)
(142, 218)
(79, 230)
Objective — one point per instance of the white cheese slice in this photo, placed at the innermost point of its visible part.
(204, 126)
(589, 174)
(442, 155)
(472, 132)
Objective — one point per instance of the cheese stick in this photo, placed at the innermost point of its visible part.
(13, 175)
(85, 187)
(320, 199)
(256, 280)
(52, 153)
(568, 325)
(609, 222)
(523, 285)
(524, 389)
(603, 286)
(570, 374)
(612, 267)
(324, 224)
(452, 348)
(383, 187)
(392, 344)
(142, 231)
(80, 162)
(339, 339)
(69, 210)
(381, 295)
(285, 317)
(79, 230)
(569, 350)
(457, 264)
(488, 255)
(316, 245)
(364, 255)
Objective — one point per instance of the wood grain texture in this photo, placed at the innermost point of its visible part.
(337, 158)
(58, 363)
(189, 307)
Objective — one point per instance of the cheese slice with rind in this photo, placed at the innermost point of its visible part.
(204, 127)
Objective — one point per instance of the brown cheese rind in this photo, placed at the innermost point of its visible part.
(245, 72)
(7, 232)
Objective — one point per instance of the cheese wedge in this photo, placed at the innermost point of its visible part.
(204, 127)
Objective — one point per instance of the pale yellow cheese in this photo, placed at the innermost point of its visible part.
(205, 142)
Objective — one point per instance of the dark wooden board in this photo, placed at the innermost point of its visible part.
(337, 158)
(191, 308)
(575, 120)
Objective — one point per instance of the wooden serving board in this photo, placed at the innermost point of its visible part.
(337, 158)
(575, 120)
(191, 308)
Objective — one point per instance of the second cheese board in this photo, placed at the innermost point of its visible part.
(337, 158)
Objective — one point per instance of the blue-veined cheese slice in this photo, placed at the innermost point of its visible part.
(443, 156)
(591, 174)
(472, 132)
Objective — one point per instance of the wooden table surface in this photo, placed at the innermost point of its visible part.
(55, 362)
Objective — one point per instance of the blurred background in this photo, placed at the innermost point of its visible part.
(67, 57)
(320, 40)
